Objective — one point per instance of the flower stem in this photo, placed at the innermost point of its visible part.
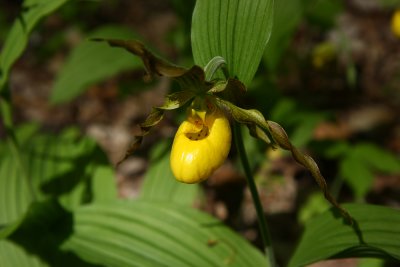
(265, 235)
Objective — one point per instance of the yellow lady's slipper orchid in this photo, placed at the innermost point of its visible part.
(396, 23)
(201, 145)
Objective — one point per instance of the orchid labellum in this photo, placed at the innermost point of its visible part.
(201, 145)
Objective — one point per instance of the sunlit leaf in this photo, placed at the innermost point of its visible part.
(13, 255)
(15, 192)
(141, 233)
(104, 186)
(236, 30)
(56, 164)
(357, 175)
(327, 236)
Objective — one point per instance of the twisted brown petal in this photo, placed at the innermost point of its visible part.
(280, 137)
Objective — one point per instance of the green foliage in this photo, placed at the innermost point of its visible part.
(17, 38)
(42, 227)
(360, 162)
(314, 205)
(159, 183)
(374, 234)
(236, 30)
(153, 233)
(13, 255)
(51, 166)
(92, 62)
(58, 203)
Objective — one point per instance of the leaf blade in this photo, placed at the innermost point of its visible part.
(179, 236)
(236, 30)
(91, 62)
(18, 36)
(380, 233)
(13, 255)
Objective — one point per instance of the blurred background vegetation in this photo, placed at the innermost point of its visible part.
(330, 75)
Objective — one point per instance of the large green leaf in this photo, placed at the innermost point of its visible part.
(18, 36)
(62, 166)
(160, 184)
(12, 255)
(376, 233)
(237, 30)
(357, 175)
(66, 165)
(103, 183)
(91, 62)
(15, 192)
(45, 226)
(141, 233)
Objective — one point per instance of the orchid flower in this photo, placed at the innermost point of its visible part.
(203, 140)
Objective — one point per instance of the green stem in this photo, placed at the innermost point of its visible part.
(265, 235)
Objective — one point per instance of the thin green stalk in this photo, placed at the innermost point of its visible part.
(265, 235)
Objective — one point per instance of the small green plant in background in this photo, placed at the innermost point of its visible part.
(58, 199)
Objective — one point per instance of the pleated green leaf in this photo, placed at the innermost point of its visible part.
(376, 233)
(15, 191)
(63, 166)
(92, 62)
(66, 166)
(236, 30)
(13, 255)
(18, 36)
(160, 184)
(141, 233)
